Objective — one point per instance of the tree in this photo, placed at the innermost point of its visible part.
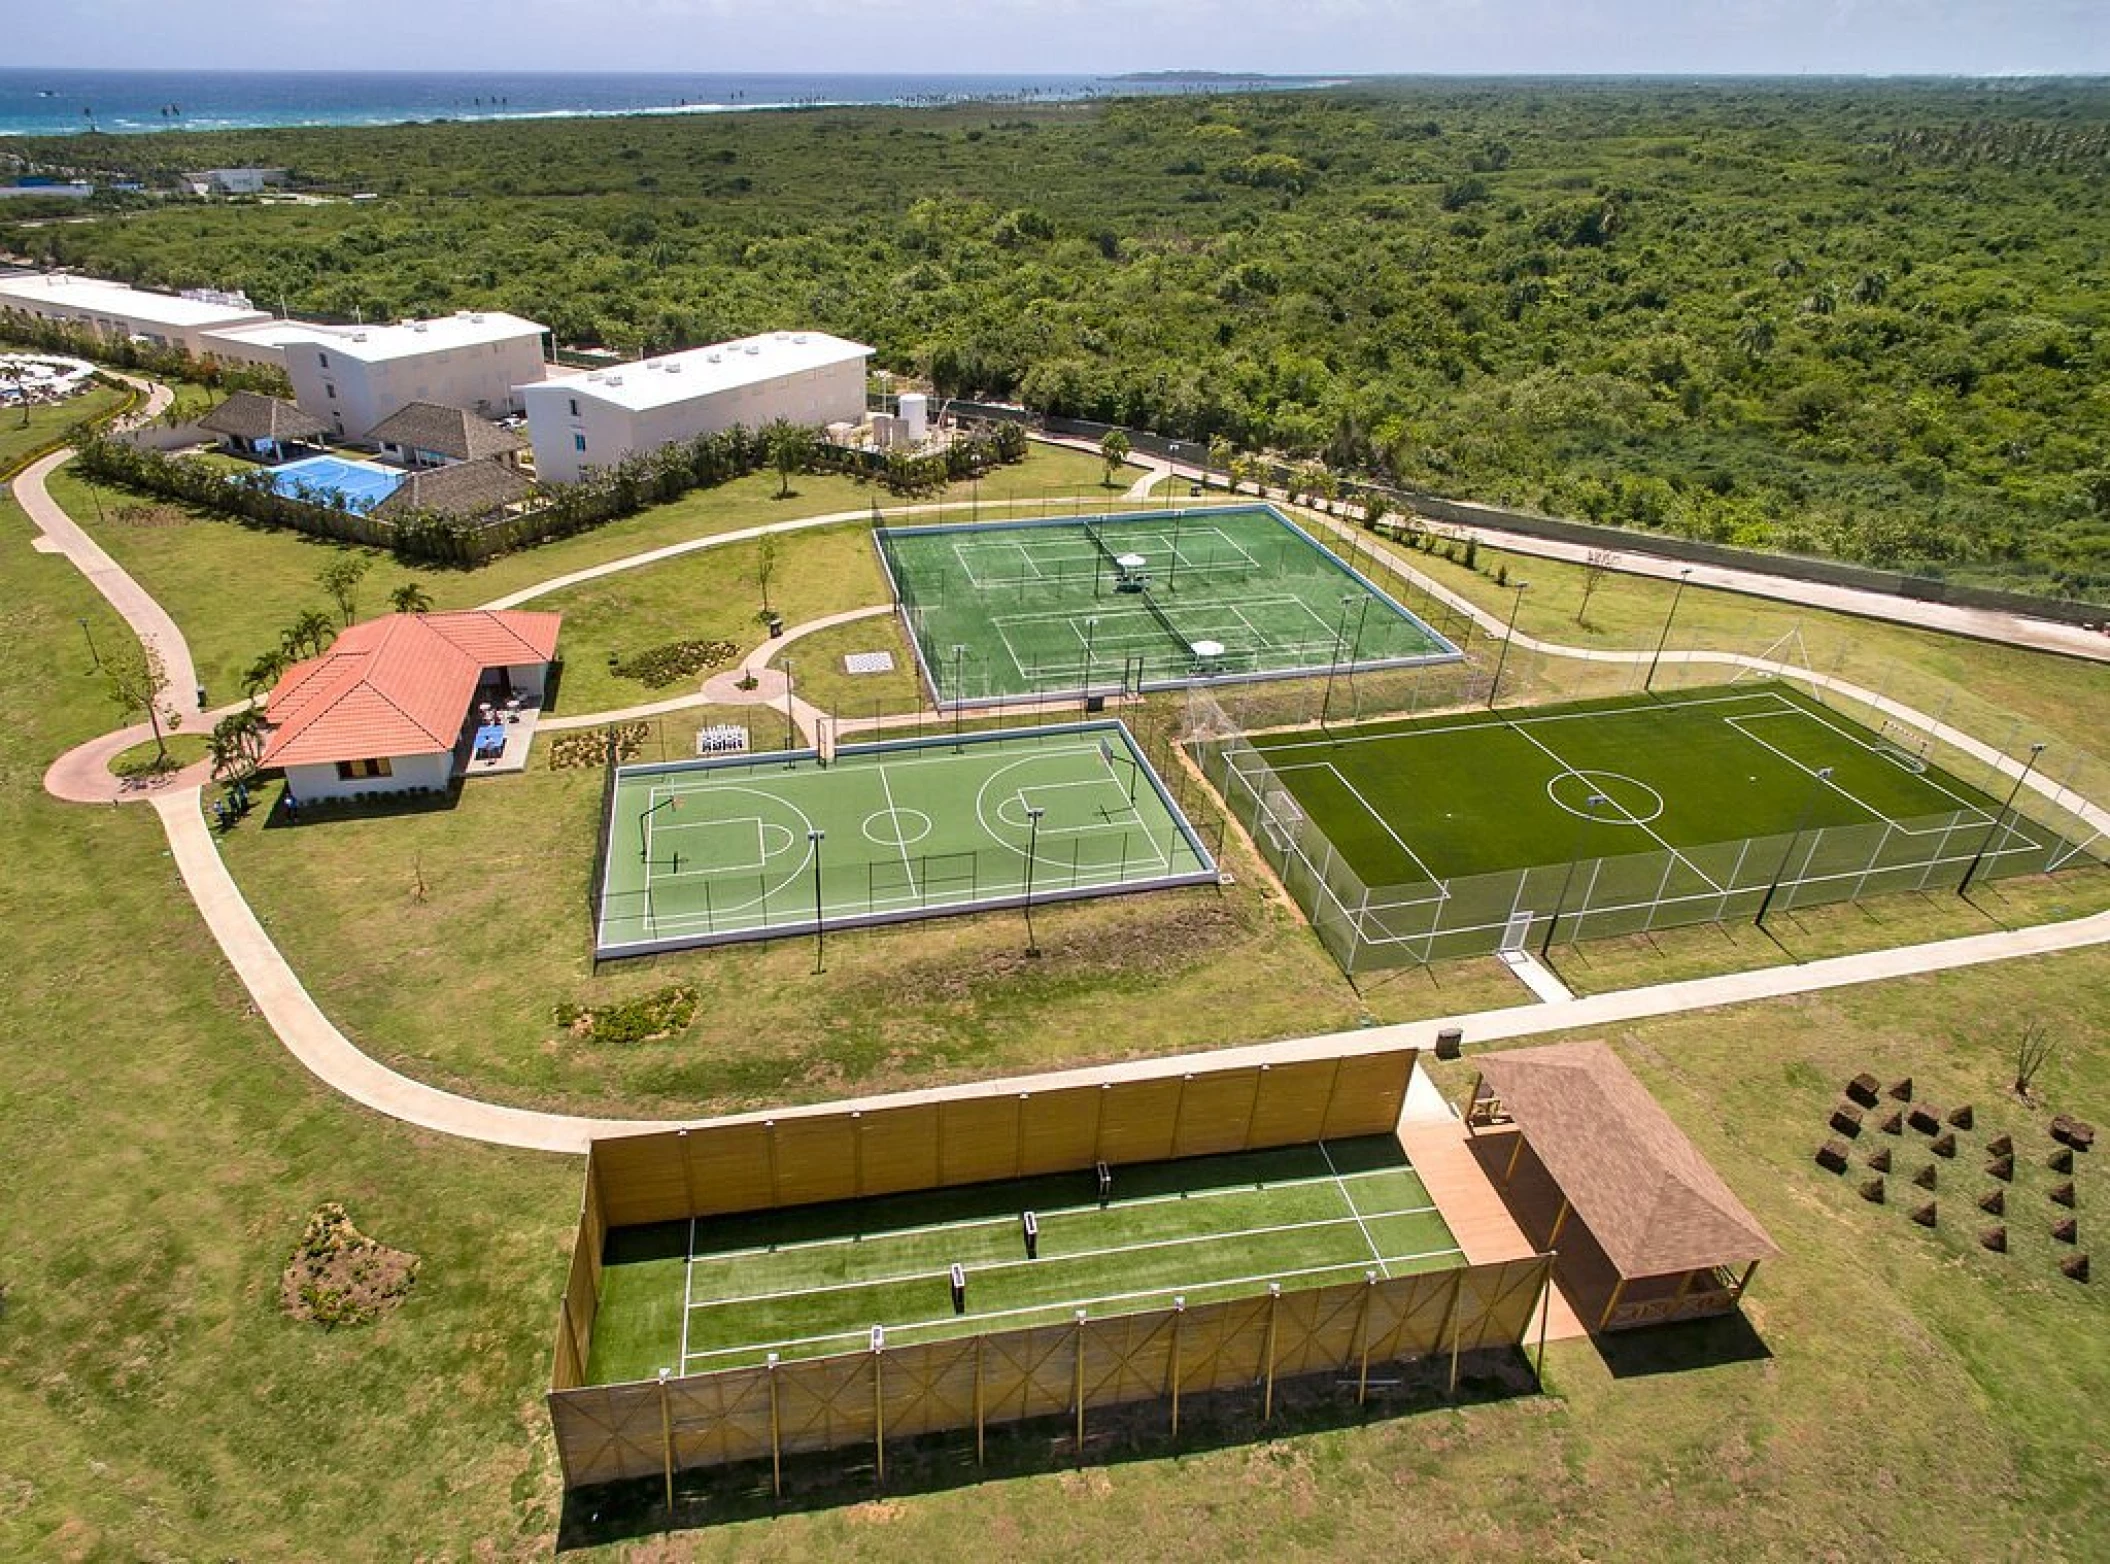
(1377, 505)
(2034, 1047)
(411, 598)
(1754, 339)
(1597, 564)
(1223, 457)
(265, 671)
(765, 566)
(236, 745)
(137, 679)
(790, 448)
(340, 578)
(1113, 450)
(309, 633)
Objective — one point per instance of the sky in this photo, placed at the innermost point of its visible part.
(1365, 37)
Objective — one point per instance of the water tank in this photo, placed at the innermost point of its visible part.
(915, 417)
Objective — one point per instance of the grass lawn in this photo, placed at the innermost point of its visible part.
(823, 680)
(20, 436)
(175, 751)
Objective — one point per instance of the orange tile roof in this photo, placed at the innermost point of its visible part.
(399, 685)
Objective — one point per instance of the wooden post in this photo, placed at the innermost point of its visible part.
(1538, 1367)
(1743, 1281)
(1560, 1220)
(666, 1438)
(1684, 1286)
(1252, 1112)
(776, 1438)
(1333, 1088)
(1179, 1108)
(769, 1135)
(980, 1418)
(1018, 1148)
(1457, 1324)
(688, 1173)
(1079, 1387)
(1472, 1106)
(857, 1150)
(1267, 1396)
(1362, 1338)
(878, 1406)
(941, 1144)
(1179, 1315)
(1099, 1123)
(1516, 1152)
(1611, 1303)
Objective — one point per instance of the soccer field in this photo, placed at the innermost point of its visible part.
(722, 1292)
(1467, 833)
(753, 847)
(1135, 602)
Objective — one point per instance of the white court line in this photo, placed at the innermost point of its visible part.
(907, 869)
(1382, 823)
(1569, 769)
(688, 1291)
(1266, 1186)
(990, 1268)
(1495, 723)
(1962, 805)
(1353, 1210)
(1070, 1303)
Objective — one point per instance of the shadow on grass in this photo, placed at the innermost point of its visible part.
(1676, 1349)
(283, 814)
(1114, 1436)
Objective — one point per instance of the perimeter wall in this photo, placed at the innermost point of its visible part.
(608, 1433)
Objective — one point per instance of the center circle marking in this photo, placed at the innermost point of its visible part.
(1627, 800)
(896, 827)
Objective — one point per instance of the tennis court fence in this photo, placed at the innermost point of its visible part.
(1376, 927)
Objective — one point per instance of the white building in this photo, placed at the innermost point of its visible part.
(593, 420)
(114, 311)
(234, 181)
(356, 376)
(264, 343)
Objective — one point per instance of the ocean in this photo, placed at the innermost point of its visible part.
(56, 102)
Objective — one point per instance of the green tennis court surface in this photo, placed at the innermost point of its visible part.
(1137, 602)
(721, 1292)
(751, 847)
(1462, 795)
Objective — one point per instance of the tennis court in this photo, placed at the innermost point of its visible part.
(723, 1292)
(1135, 602)
(754, 847)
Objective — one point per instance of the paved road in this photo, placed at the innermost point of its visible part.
(309, 1035)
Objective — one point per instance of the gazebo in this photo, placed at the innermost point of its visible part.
(249, 424)
(1646, 1230)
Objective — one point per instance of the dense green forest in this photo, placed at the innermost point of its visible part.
(1859, 319)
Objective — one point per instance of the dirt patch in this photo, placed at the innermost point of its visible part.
(588, 747)
(339, 1276)
(665, 1012)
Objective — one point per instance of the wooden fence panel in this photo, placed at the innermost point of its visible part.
(1369, 1094)
(898, 1149)
(1127, 1358)
(1136, 1125)
(607, 1433)
(719, 1418)
(978, 1139)
(1029, 1373)
(1315, 1329)
(1059, 1130)
(642, 1179)
(1215, 1113)
(567, 1372)
(824, 1403)
(928, 1387)
(1500, 1302)
(1222, 1345)
(1289, 1102)
(1410, 1316)
(816, 1160)
(729, 1169)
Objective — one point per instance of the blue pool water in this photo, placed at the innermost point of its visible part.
(321, 479)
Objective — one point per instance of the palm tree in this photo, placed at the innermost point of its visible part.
(1871, 287)
(411, 598)
(310, 633)
(1755, 339)
(265, 671)
(1113, 450)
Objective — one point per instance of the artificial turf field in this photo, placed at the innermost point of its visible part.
(752, 847)
(721, 1292)
(1039, 608)
(1428, 800)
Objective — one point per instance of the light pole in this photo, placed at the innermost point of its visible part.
(959, 693)
(1985, 846)
(1091, 631)
(1568, 880)
(820, 929)
(1822, 775)
(1032, 852)
(89, 637)
(1340, 640)
(1663, 640)
(791, 727)
(671, 801)
(1508, 635)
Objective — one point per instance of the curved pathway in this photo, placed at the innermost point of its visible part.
(311, 1037)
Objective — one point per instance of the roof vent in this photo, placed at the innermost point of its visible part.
(673, 369)
(800, 338)
(753, 348)
(417, 325)
(615, 380)
(717, 358)
(358, 336)
(595, 379)
(476, 320)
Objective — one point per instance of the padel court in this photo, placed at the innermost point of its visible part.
(1083, 605)
(754, 847)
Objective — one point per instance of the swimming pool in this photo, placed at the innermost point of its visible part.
(331, 480)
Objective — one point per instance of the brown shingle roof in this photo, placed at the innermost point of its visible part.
(450, 431)
(1644, 1190)
(247, 416)
(398, 685)
(469, 489)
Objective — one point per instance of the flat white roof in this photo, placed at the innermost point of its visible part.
(268, 333)
(411, 339)
(701, 372)
(115, 300)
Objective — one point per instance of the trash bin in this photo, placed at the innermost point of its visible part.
(1450, 1042)
(776, 628)
(1094, 704)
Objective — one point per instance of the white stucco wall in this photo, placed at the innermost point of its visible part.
(354, 395)
(310, 784)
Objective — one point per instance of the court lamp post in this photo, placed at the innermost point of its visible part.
(1340, 641)
(1091, 631)
(791, 727)
(1032, 853)
(1999, 820)
(671, 801)
(814, 838)
(1590, 808)
(1663, 640)
(959, 693)
(1818, 778)
(1508, 635)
